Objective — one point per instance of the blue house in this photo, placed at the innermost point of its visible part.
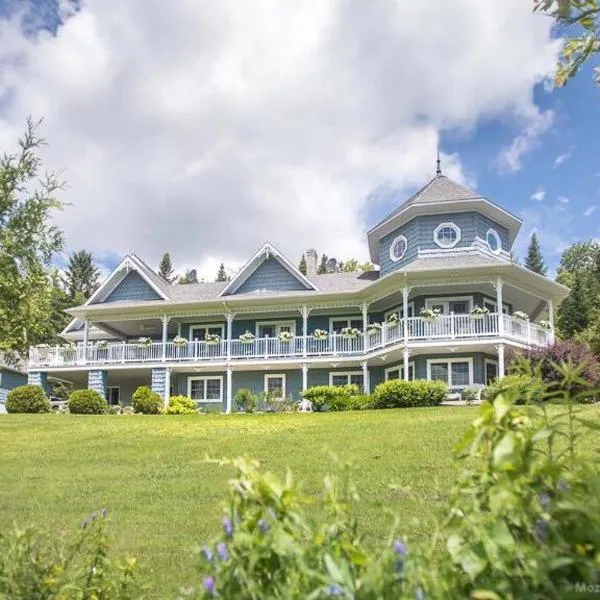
(10, 378)
(447, 303)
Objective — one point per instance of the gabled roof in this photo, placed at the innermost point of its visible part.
(266, 252)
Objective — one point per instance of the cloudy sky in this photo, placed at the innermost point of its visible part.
(205, 127)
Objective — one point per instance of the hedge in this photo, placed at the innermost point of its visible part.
(147, 402)
(525, 388)
(398, 393)
(27, 399)
(331, 397)
(181, 405)
(86, 402)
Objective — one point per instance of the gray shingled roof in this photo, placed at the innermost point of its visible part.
(456, 261)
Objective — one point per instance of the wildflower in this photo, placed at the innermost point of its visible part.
(563, 486)
(541, 530)
(222, 550)
(335, 590)
(400, 548)
(227, 526)
(263, 526)
(210, 585)
(207, 553)
(544, 499)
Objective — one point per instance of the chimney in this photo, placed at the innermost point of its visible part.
(311, 262)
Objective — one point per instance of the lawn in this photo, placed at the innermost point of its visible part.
(164, 498)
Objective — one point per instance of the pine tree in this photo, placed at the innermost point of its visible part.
(534, 260)
(323, 265)
(165, 268)
(190, 276)
(302, 265)
(222, 274)
(575, 309)
(81, 276)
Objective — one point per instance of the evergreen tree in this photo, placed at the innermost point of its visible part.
(322, 268)
(190, 277)
(302, 265)
(222, 274)
(575, 309)
(81, 276)
(534, 260)
(165, 268)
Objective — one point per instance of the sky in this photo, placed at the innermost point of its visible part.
(205, 128)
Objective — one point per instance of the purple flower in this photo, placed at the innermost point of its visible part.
(544, 499)
(227, 526)
(563, 486)
(209, 585)
(400, 548)
(208, 553)
(263, 526)
(335, 590)
(222, 551)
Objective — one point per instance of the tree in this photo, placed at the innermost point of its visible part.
(582, 17)
(322, 268)
(302, 265)
(222, 274)
(81, 276)
(574, 312)
(534, 261)
(28, 241)
(165, 268)
(190, 276)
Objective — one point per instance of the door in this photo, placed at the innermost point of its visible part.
(198, 332)
(491, 371)
(272, 330)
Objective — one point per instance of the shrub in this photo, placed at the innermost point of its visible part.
(330, 397)
(361, 402)
(27, 399)
(526, 388)
(114, 409)
(147, 402)
(469, 395)
(86, 402)
(245, 400)
(181, 405)
(398, 393)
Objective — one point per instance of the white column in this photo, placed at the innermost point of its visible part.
(365, 318)
(167, 386)
(500, 360)
(229, 397)
(406, 360)
(304, 311)
(366, 382)
(405, 292)
(229, 317)
(551, 319)
(304, 377)
(165, 333)
(499, 304)
(86, 331)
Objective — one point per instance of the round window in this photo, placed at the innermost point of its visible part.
(398, 248)
(493, 241)
(446, 235)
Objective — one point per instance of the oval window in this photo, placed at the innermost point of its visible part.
(446, 235)
(493, 241)
(398, 248)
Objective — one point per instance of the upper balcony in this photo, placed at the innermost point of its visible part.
(412, 331)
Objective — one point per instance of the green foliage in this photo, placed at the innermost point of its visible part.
(468, 395)
(190, 276)
(245, 400)
(86, 402)
(34, 565)
(165, 268)
(222, 274)
(534, 261)
(61, 389)
(81, 276)
(527, 388)
(147, 402)
(181, 405)
(302, 265)
(330, 397)
(27, 399)
(322, 268)
(398, 393)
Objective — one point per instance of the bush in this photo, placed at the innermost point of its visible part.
(527, 389)
(398, 393)
(245, 400)
(331, 397)
(181, 405)
(146, 401)
(86, 402)
(114, 409)
(27, 399)
(361, 402)
(469, 395)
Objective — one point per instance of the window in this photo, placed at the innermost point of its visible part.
(398, 372)
(398, 248)
(446, 235)
(336, 324)
(459, 305)
(491, 371)
(275, 386)
(493, 241)
(456, 372)
(206, 389)
(274, 328)
(198, 332)
(355, 377)
(400, 312)
(491, 306)
(113, 393)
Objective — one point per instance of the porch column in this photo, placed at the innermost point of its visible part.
(305, 312)
(366, 382)
(551, 319)
(364, 307)
(159, 381)
(165, 333)
(39, 378)
(167, 386)
(86, 331)
(501, 360)
(406, 358)
(304, 377)
(97, 381)
(499, 305)
(405, 292)
(229, 391)
(229, 316)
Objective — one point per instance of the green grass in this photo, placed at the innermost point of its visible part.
(164, 498)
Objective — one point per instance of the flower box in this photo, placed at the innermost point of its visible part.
(247, 337)
(392, 319)
(350, 333)
(430, 315)
(286, 336)
(144, 342)
(521, 316)
(212, 339)
(102, 345)
(374, 327)
(320, 334)
(478, 313)
(545, 325)
(179, 341)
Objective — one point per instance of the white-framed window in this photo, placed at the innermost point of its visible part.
(272, 329)
(492, 306)
(491, 370)
(336, 324)
(113, 395)
(207, 388)
(397, 372)
(198, 332)
(492, 239)
(400, 311)
(398, 248)
(459, 305)
(339, 378)
(456, 372)
(275, 385)
(446, 235)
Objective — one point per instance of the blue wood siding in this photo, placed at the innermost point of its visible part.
(133, 287)
(97, 381)
(271, 275)
(9, 380)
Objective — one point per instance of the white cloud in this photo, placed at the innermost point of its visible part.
(563, 200)
(539, 194)
(204, 128)
(561, 158)
(590, 210)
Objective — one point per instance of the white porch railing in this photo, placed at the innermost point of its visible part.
(418, 329)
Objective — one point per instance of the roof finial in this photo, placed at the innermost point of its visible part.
(438, 171)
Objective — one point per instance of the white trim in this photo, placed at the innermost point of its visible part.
(277, 326)
(429, 302)
(491, 231)
(393, 257)
(388, 313)
(489, 361)
(267, 250)
(449, 362)
(206, 326)
(205, 378)
(347, 319)
(276, 376)
(400, 369)
(347, 374)
(450, 225)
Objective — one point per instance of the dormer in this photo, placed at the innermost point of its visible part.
(443, 218)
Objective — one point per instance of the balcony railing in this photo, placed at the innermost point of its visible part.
(418, 330)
